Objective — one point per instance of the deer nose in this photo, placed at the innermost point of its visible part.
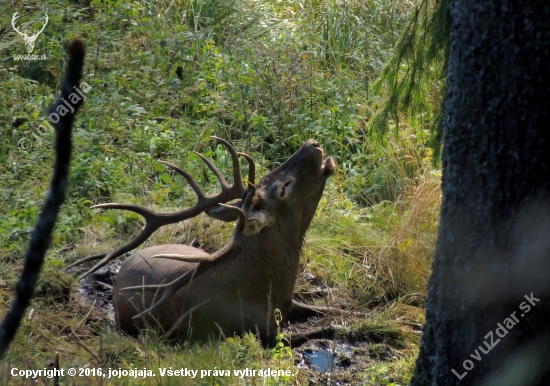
(312, 148)
(314, 144)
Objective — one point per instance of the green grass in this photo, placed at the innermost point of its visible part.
(265, 74)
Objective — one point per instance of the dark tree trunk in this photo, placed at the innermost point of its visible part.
(488, 308)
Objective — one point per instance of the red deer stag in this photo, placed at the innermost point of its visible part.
(192, 295)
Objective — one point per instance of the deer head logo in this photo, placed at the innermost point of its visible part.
(28, 38)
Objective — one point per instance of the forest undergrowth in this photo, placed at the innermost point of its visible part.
(266, 75)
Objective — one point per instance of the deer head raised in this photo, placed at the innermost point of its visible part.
(28, 38)
(191, 294)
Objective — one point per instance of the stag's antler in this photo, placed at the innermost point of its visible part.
(154, 221)
(29, 39)
(13, 19)
(205, 263)
(43, 26)
(24, 34)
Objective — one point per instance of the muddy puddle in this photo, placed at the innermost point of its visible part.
(332, 362)
(323, 361)
(97, 288)
(326, 356)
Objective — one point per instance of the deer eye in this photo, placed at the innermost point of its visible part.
(283, 188)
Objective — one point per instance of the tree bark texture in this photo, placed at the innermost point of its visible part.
(488, 307)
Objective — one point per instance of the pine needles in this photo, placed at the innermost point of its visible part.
(414, 77)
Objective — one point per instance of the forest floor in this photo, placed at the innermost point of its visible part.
(164, 77)
(337, 360)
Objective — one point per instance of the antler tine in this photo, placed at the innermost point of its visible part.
(13, 19)
(44, 24)
(196, 188)
(223, 182)
(154, 220)
(251, 168)
(150, 228)
(152, 223)
(237, 178)
(247, 207)
(86, 259)
(236, 209)
(186, 258)
(245, 211)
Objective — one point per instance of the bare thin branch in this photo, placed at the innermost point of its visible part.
(40, 238)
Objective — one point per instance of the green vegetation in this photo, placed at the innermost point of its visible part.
(415, 74)
(165, 75)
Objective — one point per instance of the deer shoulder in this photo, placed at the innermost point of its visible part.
(185, 293)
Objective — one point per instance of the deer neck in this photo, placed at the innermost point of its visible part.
(266, 260)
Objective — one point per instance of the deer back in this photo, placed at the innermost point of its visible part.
(186, 293)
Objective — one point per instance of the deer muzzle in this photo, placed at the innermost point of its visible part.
(329, 166)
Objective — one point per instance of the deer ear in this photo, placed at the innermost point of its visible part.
(258, 220)
(223, 214)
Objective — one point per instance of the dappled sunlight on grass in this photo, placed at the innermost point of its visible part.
(266, 75)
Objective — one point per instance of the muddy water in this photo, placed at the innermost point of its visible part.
(326, 358)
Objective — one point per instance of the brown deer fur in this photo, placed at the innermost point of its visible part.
(236, 289)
